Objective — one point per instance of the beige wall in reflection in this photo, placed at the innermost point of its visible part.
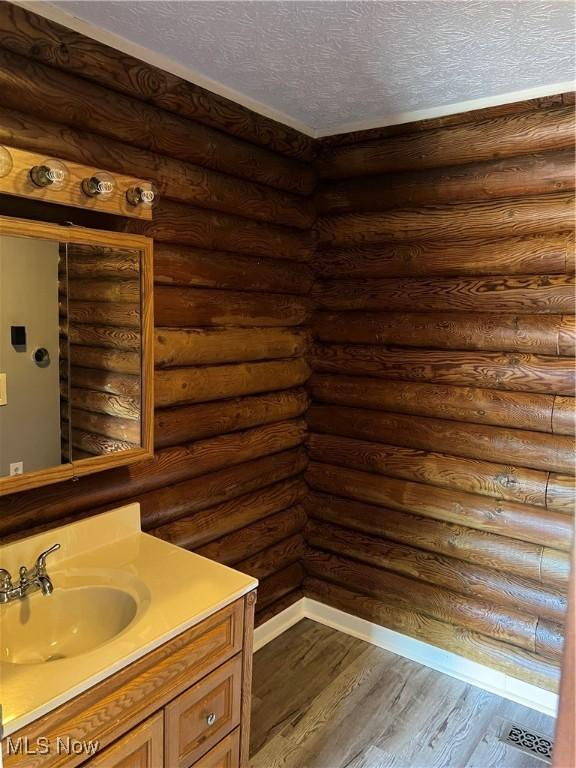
(30, 421)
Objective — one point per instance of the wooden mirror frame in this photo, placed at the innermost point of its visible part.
(14, 227)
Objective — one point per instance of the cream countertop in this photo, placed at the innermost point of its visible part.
(174, 589)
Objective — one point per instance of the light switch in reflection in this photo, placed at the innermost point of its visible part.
(3, 394)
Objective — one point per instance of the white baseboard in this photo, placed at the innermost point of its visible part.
(278, 624)
(452, 664)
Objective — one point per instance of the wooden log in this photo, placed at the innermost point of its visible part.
(498, 588)
(209, 346)
(540, 254)
(104, 336)
(517, 447)
(546, 294)
(520, 410)
(534, 334)
(230, 516)
(497, 553)
(505, 518)
(492, 653)
(561, 493)
(184, 225)
(247, 541)
(549, 639)
(98, 445)
(275, 587)
(105, 403)
(517, 372)
(106, 381)
(168, 467)
(504, 624)
(121, 291)
(501, 137)
(500, 481)
(535, 174)
(77, 103)
(102, 359)
(567, 338)
(96, 261)
(115, 427)
(196, 385)
(519, 216)
(431, 123)
(273, 609)
(175, 306)
(169, 503)
(39, 38)
(555, 566)
(195, 422)
(178, 265)
(273, 559)
(102, 313)
(174, 179)
(564, 416)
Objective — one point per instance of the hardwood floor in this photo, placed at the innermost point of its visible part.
(322, 699)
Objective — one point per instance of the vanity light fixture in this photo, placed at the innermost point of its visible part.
(101, 184)
(5, 162)
(145, 195)
(50, 173)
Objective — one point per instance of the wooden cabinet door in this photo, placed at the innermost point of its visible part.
(226, 754)
(198, 719)
(142, 747)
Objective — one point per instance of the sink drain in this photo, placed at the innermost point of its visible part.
(536, 744)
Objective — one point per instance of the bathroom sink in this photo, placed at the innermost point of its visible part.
(67, 623)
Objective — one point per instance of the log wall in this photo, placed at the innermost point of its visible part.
(435, 493)
(442, 421)
(100, 422)
(232, 241)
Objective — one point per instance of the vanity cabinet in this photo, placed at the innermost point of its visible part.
(142, 747)
(199, 718)
(184, 704)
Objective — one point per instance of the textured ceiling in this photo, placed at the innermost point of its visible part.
(329, 64)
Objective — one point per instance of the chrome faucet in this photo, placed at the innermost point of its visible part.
(30, 580)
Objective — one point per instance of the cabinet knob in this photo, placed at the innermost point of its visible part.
(211, 719)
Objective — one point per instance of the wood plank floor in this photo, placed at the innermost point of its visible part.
(322, 699)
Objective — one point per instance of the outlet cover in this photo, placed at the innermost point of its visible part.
(3, 393)
(17, 468)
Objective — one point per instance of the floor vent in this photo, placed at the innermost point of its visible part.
(536, 744)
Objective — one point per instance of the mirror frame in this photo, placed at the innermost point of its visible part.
(74, 469)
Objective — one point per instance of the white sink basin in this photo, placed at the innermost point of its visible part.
(67, 623)
(118, 594)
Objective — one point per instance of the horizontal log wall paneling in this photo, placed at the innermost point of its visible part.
(85, 106)
(64, 49)
(438, 284)
(487, 137)
(442, 417)
(232, 238)
(550, 253)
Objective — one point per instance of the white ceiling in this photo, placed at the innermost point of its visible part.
(327, 66)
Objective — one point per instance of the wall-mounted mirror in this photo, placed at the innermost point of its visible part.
(76, 366)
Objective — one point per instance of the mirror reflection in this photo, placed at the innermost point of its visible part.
(70, 352)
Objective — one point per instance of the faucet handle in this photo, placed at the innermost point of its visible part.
(41, 560)
(5, 579)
